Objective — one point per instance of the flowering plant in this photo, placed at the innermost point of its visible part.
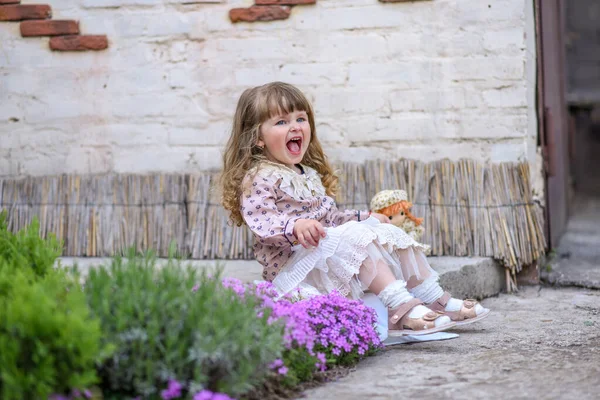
(143, 332)
(321, 330)
(177, 332)
(197, 336)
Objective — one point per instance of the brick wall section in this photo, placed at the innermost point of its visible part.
(24, 12)
(259, 13)
(35, 22)
(78, 43)
(272, 10)
(49, 28)
(266, 10)
(422, 80)
(283, 2)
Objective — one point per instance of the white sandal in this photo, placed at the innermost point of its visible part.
(466, 315)
(400, 324)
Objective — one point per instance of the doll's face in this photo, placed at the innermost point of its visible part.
(398, 219)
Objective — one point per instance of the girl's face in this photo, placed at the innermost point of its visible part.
(285, 137)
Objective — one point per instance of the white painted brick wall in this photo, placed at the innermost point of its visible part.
(426, 80)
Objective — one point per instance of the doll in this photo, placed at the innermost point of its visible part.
(395, 205)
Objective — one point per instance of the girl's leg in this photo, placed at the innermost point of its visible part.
(424, 285)
(383, 276)
(404, 309)
(415, 267)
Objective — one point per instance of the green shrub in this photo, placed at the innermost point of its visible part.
(174, 323)
(301, 366)
(26, 249)
(48, 341)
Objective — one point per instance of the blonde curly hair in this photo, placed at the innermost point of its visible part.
(242, 152)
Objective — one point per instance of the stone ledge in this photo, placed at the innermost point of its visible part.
(576, 272)
(464, 277)
(470, 277)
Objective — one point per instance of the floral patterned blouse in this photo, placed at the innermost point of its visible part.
(274, 197)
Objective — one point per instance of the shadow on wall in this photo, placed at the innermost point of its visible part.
(586, 163)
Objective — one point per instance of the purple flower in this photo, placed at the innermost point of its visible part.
(276, 364)
(208, 395)
(282, 371)
(196, 287)
(204, 395)
(173, 390)
(221, 396)
(87, 394)
(236, 285)
(325, 324)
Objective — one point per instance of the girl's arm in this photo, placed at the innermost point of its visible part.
(338, 217)
(271, 226)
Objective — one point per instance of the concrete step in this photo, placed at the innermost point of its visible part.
(464, 277)
(577, 260)
(470, 277)
(575, 271)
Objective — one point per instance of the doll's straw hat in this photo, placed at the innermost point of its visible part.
(386, 198)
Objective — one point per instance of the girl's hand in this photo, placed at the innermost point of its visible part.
(382, 218)
(309, 232)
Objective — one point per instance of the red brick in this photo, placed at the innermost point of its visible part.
(259, 13)
(22, 12)
(283, 2)
(78, 43)
(9, 1)
(49, 28)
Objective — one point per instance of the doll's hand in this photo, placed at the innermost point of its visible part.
(308, 232)
(382, 218)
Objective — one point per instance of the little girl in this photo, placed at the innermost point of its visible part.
(277, 180)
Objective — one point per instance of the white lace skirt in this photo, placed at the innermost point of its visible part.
(346, 260)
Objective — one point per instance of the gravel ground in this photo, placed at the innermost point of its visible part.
(541, 343)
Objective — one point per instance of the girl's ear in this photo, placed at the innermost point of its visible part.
(260, 143)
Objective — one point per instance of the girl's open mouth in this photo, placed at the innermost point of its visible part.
(294, 145)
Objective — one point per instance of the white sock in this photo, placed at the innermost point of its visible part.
(396, 294)
(455, 305)
(421, 310)
(430, 290)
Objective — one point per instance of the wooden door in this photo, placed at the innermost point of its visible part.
(552, 113)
